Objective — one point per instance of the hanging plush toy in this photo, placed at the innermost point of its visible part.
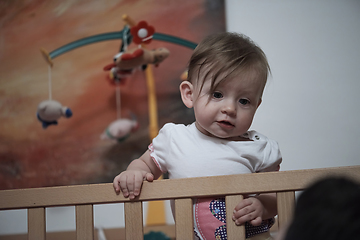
(126, 62)
(120, 129)
(49, 111)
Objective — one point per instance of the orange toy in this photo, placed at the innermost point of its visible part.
(126, 62)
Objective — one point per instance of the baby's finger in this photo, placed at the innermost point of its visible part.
(241, 220)
(116, 185)
(138, 180)
(243, 215)
(244, 203)
(124, 186)
(149, 177)
(256, 222)
(243, 211)
(130, 183)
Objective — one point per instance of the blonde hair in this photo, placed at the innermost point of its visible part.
(227, 53)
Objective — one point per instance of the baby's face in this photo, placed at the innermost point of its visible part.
(228, 111)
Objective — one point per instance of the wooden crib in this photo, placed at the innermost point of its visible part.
(233, 187)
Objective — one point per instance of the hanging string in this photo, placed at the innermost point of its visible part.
(50, 87)
(125, 41)
(118, 100)
(118, 97)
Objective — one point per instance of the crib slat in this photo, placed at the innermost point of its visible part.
(36, 224)
(184, 219)
(84, 222)
(285, 203)
(133, 221)
(233, 231)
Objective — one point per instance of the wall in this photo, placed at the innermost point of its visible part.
(75, 151)
(311, 104)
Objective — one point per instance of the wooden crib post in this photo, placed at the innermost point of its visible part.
(133, 221)
(36, 223)
(285, 204)
(233, 231)
(84, 222)
(184, 219)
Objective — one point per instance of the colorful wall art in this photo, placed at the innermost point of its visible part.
(72, 152)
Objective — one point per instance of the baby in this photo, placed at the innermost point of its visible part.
(227, 74)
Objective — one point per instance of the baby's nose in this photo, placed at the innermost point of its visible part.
(229, 109)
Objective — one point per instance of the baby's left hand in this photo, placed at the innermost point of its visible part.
(249, 210)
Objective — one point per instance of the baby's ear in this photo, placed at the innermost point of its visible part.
(186, 90)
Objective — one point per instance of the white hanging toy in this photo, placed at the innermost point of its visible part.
(120, 129)
(49, 111)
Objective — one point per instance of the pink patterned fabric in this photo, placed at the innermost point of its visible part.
(210, 217)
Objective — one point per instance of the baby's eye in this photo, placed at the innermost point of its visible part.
(243, 101)
(217, 95)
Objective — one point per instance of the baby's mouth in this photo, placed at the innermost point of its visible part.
(226, 123)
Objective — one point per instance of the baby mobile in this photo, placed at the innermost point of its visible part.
(124, 64)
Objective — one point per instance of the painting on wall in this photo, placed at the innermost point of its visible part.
(73, 152)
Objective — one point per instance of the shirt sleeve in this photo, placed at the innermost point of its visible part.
(272, 157)
(160, 146)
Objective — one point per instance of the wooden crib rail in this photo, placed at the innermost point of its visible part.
(284, 183)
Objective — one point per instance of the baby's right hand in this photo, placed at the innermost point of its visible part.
(130, 182)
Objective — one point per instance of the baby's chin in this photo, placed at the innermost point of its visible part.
(221, 134)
